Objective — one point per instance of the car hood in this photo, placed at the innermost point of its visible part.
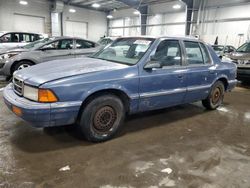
(240, 56)
(13, 50)
(54, 70)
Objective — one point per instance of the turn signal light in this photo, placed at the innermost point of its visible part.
(17, 111)
(46, 95)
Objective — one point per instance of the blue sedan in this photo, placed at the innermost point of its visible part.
(133, 74)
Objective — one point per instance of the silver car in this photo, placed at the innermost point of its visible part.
(57, 48)
(17, 39)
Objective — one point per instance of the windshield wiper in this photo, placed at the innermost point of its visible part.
(113, 61)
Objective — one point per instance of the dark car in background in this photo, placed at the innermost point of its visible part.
(53, 49)
(242, 58)
(222, 50)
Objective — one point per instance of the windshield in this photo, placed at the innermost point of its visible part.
(125, 50)
(104, 41)
(37, 43)
(218, 48)
(244, 48)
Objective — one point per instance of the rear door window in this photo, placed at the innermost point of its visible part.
(193, 53)
(26, 38)
(81, 44)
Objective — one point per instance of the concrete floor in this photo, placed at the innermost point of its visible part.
(184, 146)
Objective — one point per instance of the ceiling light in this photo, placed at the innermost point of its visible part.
(96, 5)
(72, 10)
(23, 2)
(109, 16)
(137, 12)
(176, 6)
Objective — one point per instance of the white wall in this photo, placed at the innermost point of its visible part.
(162, 20)
(173, 24)
(96, 21)
(226, 23)
(8, 8)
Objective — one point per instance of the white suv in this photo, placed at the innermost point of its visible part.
(17, 39)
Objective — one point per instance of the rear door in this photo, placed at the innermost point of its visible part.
(200, 71)
(60, 49)
(84, 47)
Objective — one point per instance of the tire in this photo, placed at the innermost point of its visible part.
(22, 64)
(216, 96)
(101, 118)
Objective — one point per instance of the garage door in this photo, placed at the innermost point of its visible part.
(28, 23)
(76, 29)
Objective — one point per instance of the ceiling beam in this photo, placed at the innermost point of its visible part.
(131, 3)
(90, 2)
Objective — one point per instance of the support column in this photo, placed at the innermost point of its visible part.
(144, 16)
(189, 13)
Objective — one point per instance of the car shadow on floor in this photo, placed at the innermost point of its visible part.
(245, 84)
(35, 140)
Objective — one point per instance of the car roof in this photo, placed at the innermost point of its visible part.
(189, 38)
(4, 32)
(76, 38)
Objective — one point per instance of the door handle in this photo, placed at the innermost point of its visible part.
(180, 76)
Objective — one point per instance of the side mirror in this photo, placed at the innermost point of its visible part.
(152, 65)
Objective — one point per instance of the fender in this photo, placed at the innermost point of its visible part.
(108, 86)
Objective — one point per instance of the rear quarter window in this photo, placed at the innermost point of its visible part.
(205, 54)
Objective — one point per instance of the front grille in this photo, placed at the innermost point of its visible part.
(18, 86)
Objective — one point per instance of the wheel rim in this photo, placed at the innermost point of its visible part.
(23, 66)
(216, 95)
(104, 119)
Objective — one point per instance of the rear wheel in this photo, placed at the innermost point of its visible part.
(216, 96)
(21, 65)
(102, 117)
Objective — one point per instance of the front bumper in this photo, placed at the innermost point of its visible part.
(42, 114)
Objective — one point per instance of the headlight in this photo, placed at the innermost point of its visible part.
(30, 93)
(39, 95)
(8, 55)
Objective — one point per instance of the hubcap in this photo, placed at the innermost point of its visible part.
(104, 119)
(23, 66)
(216, 95)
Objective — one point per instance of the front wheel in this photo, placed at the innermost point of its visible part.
(216, 96)
(102, 117)
(21, 65)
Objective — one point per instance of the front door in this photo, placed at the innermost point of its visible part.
(83, 48)
(164, 86)
(60, 49)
